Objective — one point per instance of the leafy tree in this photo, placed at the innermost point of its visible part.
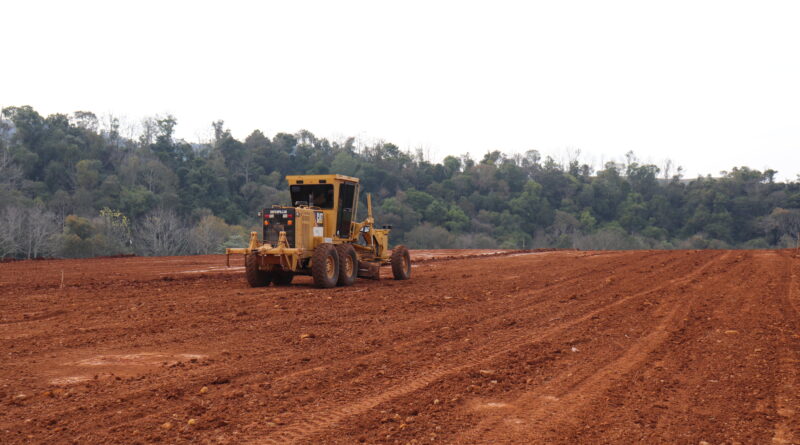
(532, 206)
(633, 213)
(73, 169)
(116, 231)
(76, 240)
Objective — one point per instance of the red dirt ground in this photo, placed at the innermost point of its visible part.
(552, 347)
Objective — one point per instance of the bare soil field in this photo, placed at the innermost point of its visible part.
(478, 347)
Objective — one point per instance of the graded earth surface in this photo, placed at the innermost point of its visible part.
(478, 347)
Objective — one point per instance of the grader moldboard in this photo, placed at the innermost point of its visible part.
(318, 237)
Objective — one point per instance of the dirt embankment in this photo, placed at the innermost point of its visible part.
(494, 347)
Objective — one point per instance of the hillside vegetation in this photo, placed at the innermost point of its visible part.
(71, 185)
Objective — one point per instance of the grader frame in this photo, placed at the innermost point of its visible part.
(317, 236)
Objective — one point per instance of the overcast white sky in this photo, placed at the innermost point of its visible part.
(709, 84)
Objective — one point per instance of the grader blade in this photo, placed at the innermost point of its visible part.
(369, 270)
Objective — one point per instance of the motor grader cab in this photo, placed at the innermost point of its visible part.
(318, 236)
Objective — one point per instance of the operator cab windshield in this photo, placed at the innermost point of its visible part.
(314, 195)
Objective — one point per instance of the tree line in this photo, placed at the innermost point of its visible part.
(75, 185)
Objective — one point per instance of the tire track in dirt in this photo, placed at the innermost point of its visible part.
(546, 407)
(612, 268)
(328, 415)
(714, 379)
(518, 309)
(146, 392)
(786, 399)
(187, 385)
(35, 317)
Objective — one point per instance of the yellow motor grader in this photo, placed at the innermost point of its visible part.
(319, 237)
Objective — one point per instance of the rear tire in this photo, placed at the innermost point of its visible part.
(254, 276)
(282, 277)
(348, 264)
(325, 266)
(401, 263)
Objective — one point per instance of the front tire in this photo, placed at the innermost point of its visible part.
(325, 266)
(255, 277)
(348, 264)
(401, 263)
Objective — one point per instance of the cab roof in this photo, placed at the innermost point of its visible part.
(319, 179)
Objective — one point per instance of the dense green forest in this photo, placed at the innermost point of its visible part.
(73, 186)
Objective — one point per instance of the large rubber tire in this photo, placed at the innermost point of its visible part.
(254, 276)
(348, 264)
(282, 277)
(325, 266)
(401, 263)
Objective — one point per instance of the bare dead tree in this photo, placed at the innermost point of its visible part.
(149, 130)
(161, 233)
(564, 224)
(41, 228)
(208, 235)
(786, 222)
(27, 232)
(667, 169)
(573, 154)
(12, 221)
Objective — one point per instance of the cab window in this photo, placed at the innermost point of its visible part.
(316, 195)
